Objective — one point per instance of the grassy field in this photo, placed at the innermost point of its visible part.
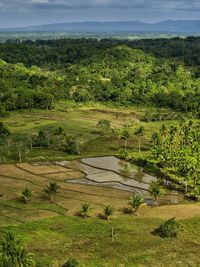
(54, 231)
(81, 121)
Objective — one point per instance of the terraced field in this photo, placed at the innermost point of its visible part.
(96, 181)
(53, 232)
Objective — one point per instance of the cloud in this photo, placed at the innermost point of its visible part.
(40, 1)
(113, 4)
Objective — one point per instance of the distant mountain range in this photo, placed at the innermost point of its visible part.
(169, 26)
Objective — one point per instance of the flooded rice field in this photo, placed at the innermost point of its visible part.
(114, 173)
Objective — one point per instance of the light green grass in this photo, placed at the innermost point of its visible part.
(81, 120)
(55, 240)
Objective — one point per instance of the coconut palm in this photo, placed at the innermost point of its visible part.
(108, 212)
(26, 194)
(139, 132)
(136, 202)
(125, 135)
(51, 190)
(156, 190)
(85, 210)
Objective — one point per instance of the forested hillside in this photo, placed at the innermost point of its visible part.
(36, 75)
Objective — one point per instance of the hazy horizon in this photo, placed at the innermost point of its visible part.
(24, 13)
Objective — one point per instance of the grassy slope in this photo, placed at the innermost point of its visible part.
(53, 234)
(82, 122)
(54, 240)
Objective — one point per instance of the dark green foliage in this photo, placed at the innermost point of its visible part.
(71, 263)
(108, 212)
(71, 145)
(105, 71)
(85, 210)
(169, 228)
(26, 194)
(4, 132)
(12, 253)
(156, 190)
(136, 202)
(177, 149)
(104, 126)
(51, 190)
(42, 140)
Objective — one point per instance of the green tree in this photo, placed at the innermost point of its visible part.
(156, 190)
(26, 194)
(85, 210)
(169, 228)
(108, 212)
(139, 132)
(125, 135)
(51, 190)
(136, 202)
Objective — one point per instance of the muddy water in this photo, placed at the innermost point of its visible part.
(115, 173)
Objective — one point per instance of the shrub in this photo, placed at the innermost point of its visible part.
(169, 228)
(71, 263)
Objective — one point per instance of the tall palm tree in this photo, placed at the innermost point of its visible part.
(136, 202)
(108, 212)
(156, 190)
(26, 194)
(125, 135)
(85, 210)
(51, 190)
(139, 132)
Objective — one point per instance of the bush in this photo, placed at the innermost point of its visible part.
(71, 263)
(169, 228)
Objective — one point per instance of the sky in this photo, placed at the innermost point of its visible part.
(17, 13)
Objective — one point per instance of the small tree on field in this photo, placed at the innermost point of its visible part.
(51, 190)
(136, 202)
(108, 212)
(169, 228)
(139, 132)
(156, 190)
(26, 194)
(125, 135)
(85, 210)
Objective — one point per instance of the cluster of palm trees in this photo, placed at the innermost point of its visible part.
(86, 209)
(176, 150)
(126, 133)
(136, 201)
(155, 190)
(51, 190)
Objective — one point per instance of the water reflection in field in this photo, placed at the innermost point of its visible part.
(115, 173)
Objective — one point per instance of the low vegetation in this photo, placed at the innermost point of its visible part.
(65, 100)
(169, 228)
